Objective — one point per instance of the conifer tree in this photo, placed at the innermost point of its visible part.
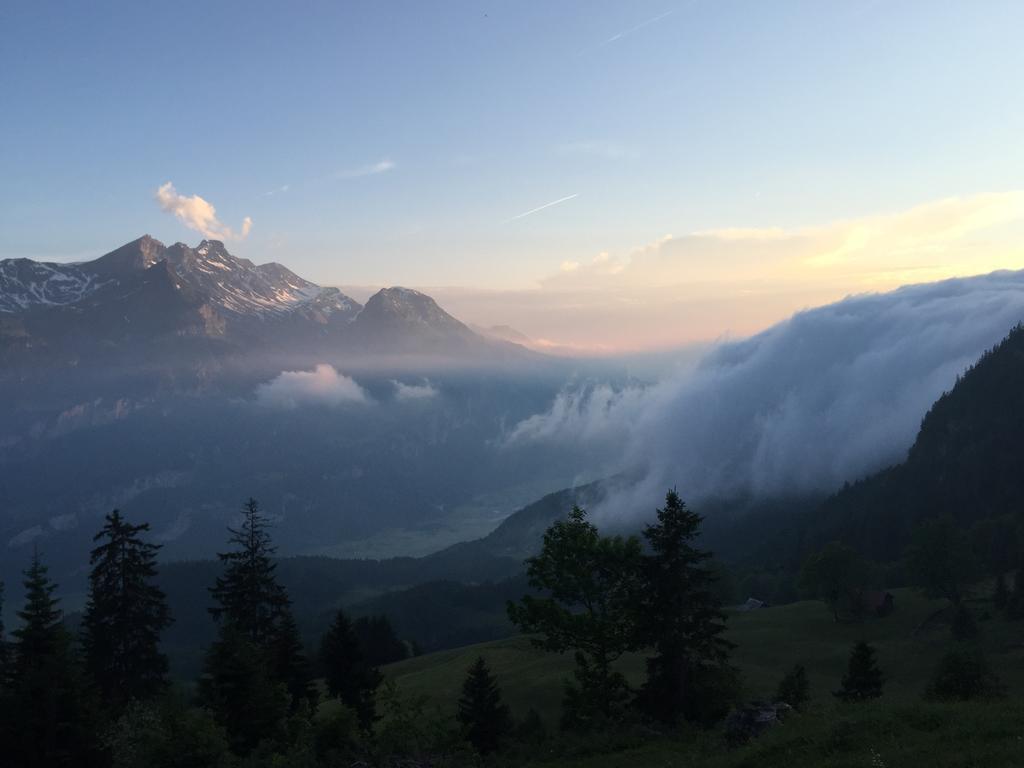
(347, 674)
(125, 615)
(50, 724)
(863, 679)
(247, 594)
(484, 716)
(250, 600)
(794, 689)
(258, 654)
(290, 665)
(681, 617)
(238, 687)
(591, 584)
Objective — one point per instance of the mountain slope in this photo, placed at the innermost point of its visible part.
(967, 462)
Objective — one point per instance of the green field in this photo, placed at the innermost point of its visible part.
(770, 641)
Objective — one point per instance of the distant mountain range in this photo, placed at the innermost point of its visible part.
(149, 299)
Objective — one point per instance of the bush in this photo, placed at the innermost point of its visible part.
(794, 689)
(962, 675)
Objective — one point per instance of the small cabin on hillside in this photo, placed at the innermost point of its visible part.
(877, 601)
(752, 604)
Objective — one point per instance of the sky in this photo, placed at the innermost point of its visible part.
(600, 175)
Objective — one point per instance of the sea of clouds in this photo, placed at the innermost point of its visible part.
(827, 396)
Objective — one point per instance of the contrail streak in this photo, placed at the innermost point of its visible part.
(639, 26)
(541, 207)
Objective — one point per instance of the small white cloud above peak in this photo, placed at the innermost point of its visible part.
(199, 214)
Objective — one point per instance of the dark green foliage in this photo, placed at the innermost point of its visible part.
(255, 616)
(484, 717)
(1015, 605)
(1001, 593)
(239, 688)
(51, 722)
(167, 735)
(247, 594)
(3, 647)
(679, 615)
(590, 584)
(963, 674)
(835, 575)
(863, 679)
(940, 560)
(378, 641)
(347, 674)
(289, 663)
(794, 689)
(964, 625)
(964, 464)
(531, 731)
(124, 616)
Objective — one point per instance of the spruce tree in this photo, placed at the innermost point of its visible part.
(51, 723)
(590, 584)
(290, 665)
(257, 638)
(484, 716)
(247, 594)
(239, 688)
(347, 674)
(681, 618)
(125, 615)
(794, 689)
(863, 679)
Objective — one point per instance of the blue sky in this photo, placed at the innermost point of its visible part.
(395, 142)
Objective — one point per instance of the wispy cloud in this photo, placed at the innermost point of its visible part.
(381, 166)
(279, 191)
(532, 211)
(199, 214)
(609, 150)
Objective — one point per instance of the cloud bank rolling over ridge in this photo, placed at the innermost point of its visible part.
(827, 396)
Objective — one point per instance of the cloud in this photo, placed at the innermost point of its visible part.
(931, 241)
(198, 214)
(414, 392)
(381, 166)
(827, 396)
(322, 386)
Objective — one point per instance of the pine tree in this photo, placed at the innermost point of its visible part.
(125, 615)
(51, 724)
(591, 583)
(863, 679)
(247, 594)
(484, 717)
(681, 617)
(258, 653)
(290, 665)
(238, 687)
(347, 674)
(794, 689)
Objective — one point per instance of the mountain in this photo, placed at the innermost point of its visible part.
(967, 462)
(195, 306)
